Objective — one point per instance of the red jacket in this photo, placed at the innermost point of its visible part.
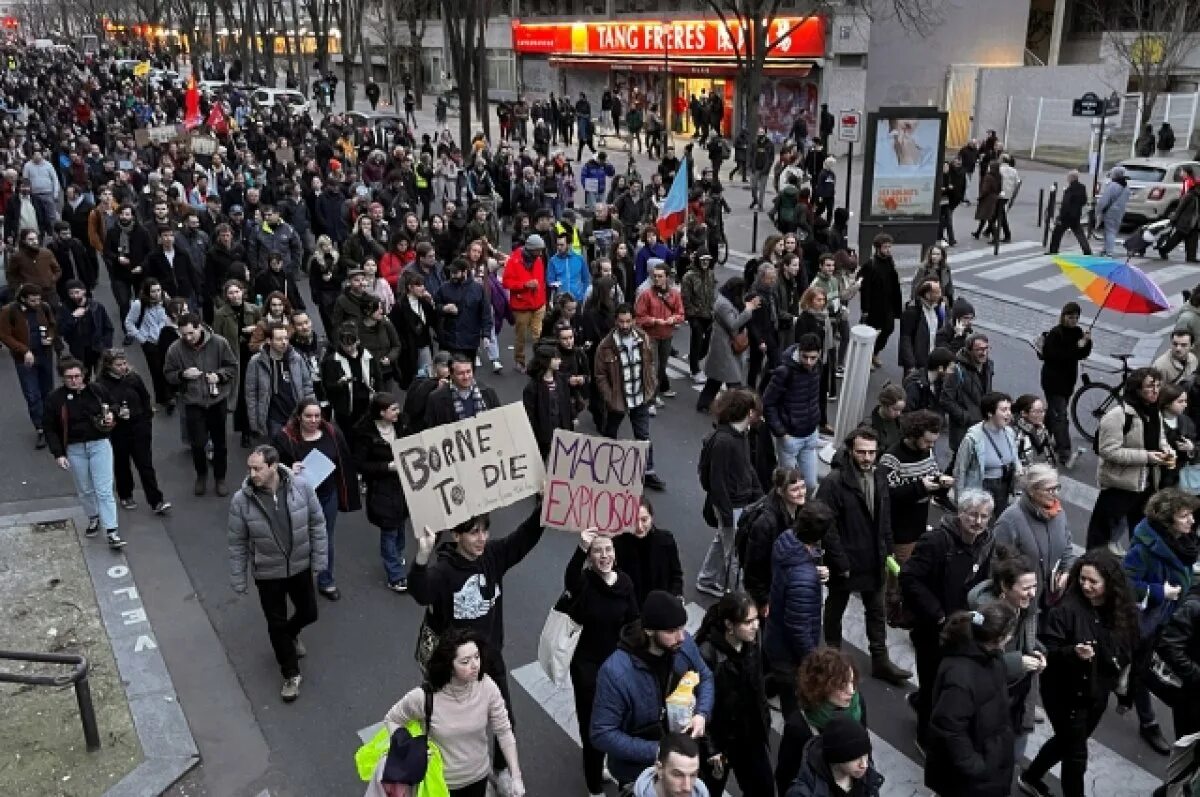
(516, 274)
(650, 304)
(391, 265)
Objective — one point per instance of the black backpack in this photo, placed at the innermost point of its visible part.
(704, 466)
(749, 516)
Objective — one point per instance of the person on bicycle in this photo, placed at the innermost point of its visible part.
(1063, 348)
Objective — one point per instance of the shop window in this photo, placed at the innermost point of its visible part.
(852, 61)
(501, 70)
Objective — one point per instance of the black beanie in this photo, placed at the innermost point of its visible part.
(844, 739)
(662, 611)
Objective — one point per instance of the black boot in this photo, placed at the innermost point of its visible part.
(1154, 737)
(883, 669)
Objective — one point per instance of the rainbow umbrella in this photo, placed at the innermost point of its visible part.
(1113, 284)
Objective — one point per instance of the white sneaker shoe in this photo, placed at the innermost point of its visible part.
(653, 410)
(699, 378)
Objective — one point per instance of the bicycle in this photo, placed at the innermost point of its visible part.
(1093, 399)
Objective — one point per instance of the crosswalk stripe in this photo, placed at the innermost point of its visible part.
(1014, 269)
(1057, 282)
(956, 258)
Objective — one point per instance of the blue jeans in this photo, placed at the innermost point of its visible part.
(639, 419)
(329, 508)
(391, 548)
(92, 470)
(37, 381)
(800, 452)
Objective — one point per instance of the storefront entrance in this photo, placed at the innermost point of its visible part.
(701, 88)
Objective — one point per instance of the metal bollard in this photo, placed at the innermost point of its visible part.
(754, 234)
(1041, 205)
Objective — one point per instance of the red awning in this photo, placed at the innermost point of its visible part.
(677, 66)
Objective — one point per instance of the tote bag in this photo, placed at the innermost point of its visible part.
(556, 646)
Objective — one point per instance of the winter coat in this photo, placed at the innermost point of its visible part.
(91, 333)
(601, 609)
(915, 338)
(1110, 205)
(1179, 644)
(722, 364)
(386, 505)
(1044, 541)
(1124, 462)
(381, 340)
(570, 273)
(815, 778)
(178, 279)
(881, 301)
(221, 264)
(283, 240)
(698, 290)
(731, 478)
(76, 261)
(941, 572)
(268, 282)
(629, 712)
(548, 410)
(609, 372)
(791, 402)
(1074, 202)
(740, 717)
(652, 562)
(14, 327)
(255, 544)
(466, 593)
(463, 330)
(1061, 355)
(1069, 680)
(864, 533)
(213, 356)
(1187, 215)
(654, 305)
(904, 469)
(518, 271)
(349, 399)
(440, 409)
(40, 268)
(975, 445)
(793, 627)
(70, 417)
(261, 387)
(970, 748)
(344, 478)
(225, 324)
(1150, 563)
(962, 391)
(989, 197)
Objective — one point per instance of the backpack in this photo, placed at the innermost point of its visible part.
(1124, 431)
(749, 516)
(725, 150)
(1039, 345)
(788, 204)
(704, 466)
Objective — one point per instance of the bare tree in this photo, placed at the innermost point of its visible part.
(465, 23)
(416, 15)
(756, 30)
(1151, 36)
(350, 21)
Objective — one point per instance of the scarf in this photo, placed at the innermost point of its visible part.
(820, 716)
(476, 398)
(1185, 547)
(1151, 425)
(830, 336)
(123, 241)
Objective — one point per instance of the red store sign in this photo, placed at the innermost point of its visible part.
(797, 37)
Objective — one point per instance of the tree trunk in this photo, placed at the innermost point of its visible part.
(459, 34)
(213, 47)
(390, 28)
(299, 55)
(481, 76)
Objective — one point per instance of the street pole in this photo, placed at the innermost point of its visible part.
(849, 171)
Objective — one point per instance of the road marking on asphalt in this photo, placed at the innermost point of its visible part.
(1015, 269)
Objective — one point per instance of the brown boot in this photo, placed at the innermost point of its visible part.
(883, 669)
(201, 485)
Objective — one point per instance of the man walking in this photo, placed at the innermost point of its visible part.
(761, 157)
(1070, 214)
(962, 390)
(276, 379)
(525, 280)
(28, 330)
(462, 398)
(45, 188)
(277, 532)
(205, 369)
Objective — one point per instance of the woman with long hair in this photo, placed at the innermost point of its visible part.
(788, 493)
(601, 600)
(326, 273)
(1035, 440)
(970, 731)
(387, 508)
(731, 313)
(547, 396)
(739, 733)
(1179, 429)
(1090, 637)
(377, 286)
(277, 309)
(145, 322)
(623, 268)
(650, 556)
(827, 686)
(935, 268)
(596, 322)
(307, 431)
(362, 243)
(467, 708)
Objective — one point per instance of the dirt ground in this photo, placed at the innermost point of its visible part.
(47, 605)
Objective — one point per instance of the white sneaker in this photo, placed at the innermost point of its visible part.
(658, 402)
(699, 378)
(497, 367)
(502, 780)
(478, 362)
(653, 410)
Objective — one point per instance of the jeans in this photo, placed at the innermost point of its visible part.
(134, 443)
(273, 594)
(47, 209)
(329, 508)
(1110, 237)
(37, 381)
(720, 570)
(1057, 423)
(92, 470)
(639, 419)
(527, 326)
(800, 452)
(391, 549)
(758, 187)
(204, 423)
(662, 356)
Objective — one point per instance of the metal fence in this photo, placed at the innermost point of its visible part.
(1043, 129)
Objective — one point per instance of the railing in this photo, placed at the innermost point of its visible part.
(77, 676)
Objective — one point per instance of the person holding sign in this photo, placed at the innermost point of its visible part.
(307, 439)
(462, 587)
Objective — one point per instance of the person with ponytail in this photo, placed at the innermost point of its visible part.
(970, 730)
(1089, 637)
(740, 732)
(1014, 581)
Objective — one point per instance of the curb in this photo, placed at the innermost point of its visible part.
(168, 748)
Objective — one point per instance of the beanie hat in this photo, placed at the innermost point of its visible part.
(844, 739)
(535, 242)
(662, 611)
(961, 308)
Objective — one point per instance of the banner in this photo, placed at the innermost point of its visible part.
(906, 167)
(593, 482)
(452, 473)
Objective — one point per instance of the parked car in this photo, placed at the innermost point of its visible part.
(294, 100)
(1155, 186)
(385, 124)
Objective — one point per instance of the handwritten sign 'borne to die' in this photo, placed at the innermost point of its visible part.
(593, 482)
(452, 473)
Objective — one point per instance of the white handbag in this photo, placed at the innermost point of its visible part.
(556, 646)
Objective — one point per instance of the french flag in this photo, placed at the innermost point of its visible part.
(674, 208)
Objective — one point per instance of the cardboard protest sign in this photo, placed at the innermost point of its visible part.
(593, 482)
(452, 473)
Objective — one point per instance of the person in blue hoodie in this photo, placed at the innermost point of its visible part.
(631, 691)
(794, 620)
(595, 174)
(567, 271)
(651, 248)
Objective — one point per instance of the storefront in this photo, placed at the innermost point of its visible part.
(666, 63)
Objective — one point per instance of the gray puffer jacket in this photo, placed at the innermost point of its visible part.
(270, 554)
(260, 385)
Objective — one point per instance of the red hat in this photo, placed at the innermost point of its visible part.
(334, 164)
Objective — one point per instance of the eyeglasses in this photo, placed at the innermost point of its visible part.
(1054, 489)
(977, 517)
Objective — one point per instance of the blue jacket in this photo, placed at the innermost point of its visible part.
(600, 172)
(794, 622)
(1150, 563)
(570, 271)
(630, 699)
(463, 330)
(1111, 203)
(640, 267)
(791, 402)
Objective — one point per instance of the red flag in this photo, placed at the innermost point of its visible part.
(216, 120)
(191, 105)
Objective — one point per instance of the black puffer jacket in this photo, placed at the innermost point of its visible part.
(970, 731)
(740, 718)
(816, 777)
(791, 402)
(937, 578)
(962, 390)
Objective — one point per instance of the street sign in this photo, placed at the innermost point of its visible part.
(849, 126)
(1092, 105)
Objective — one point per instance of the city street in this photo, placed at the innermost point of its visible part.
(360, 651)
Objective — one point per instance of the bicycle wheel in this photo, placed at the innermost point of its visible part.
(1088, 406)
(723, 250)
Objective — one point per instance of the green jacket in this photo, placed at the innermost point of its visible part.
(699, 289)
